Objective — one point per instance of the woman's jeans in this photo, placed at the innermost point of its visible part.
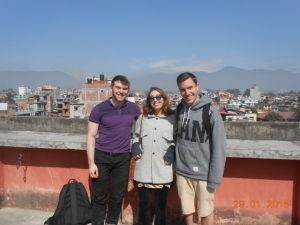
(113, 178)
(161, 197)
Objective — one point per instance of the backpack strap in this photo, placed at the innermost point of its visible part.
(177, 111)
(206, 119)
(84, 193)
(88, 212)
(61, 199)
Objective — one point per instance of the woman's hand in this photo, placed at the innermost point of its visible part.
(136, 157)
(167, 163)
(136, 151)
(169, 155)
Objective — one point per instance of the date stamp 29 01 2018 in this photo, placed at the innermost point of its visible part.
(269, 204)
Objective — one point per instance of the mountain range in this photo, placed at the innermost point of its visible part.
(226, 78)
(34, 79)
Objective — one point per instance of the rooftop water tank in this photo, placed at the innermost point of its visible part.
(89, 80)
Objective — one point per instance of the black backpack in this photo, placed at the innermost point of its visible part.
(74, 207)
(205, 117)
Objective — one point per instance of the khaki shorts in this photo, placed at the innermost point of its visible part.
(195, 196)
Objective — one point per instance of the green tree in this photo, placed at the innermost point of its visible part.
(253, 110)
(234, 91)
(246, 93)
(297, 114)
(9, 96)
(274, 116)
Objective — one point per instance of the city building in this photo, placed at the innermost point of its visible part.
(255, 93)
(50, 105)
(37, 104)
(224, 97)
(21, 101)
(59, 106)
(93, 92)
(66, 107)
(77, 110)
(24, 90)
(7, 108)
(50, 90)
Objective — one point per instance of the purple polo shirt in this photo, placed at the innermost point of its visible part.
(114, 125)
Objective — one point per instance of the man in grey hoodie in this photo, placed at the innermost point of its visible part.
(200, 157)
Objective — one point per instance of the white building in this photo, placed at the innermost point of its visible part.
(3, 106)
(77, 110)
(255, 93)
(24, 90)
(249, 102)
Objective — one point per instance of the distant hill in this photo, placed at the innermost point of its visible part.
(33, 79)
(226, 78)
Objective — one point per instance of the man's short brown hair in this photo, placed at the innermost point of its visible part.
(184, 76)
(122, 79)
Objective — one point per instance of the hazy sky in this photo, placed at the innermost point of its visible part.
(84, 38)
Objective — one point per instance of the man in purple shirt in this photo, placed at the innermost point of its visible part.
(109, 155)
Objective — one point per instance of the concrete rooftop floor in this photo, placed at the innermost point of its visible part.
(17, 216)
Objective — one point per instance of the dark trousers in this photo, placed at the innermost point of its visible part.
(113, 178)
(161, 197)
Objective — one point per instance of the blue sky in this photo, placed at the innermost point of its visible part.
(85, 38)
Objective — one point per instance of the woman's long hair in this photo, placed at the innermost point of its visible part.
(147, 108)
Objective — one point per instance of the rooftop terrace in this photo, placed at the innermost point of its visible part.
(260, 184)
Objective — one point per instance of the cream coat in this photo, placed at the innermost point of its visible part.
(156, 137)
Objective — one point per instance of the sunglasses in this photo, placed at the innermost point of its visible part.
(151, 99)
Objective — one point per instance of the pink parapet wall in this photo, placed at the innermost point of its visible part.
(258, 191)
(253, 191)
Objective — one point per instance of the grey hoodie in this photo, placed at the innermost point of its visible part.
(198, 156)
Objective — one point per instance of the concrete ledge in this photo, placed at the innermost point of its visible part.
(43, 124)
(284, 131)
(33, 139)
(265, 149)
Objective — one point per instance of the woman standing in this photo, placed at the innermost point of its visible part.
(153, 149)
